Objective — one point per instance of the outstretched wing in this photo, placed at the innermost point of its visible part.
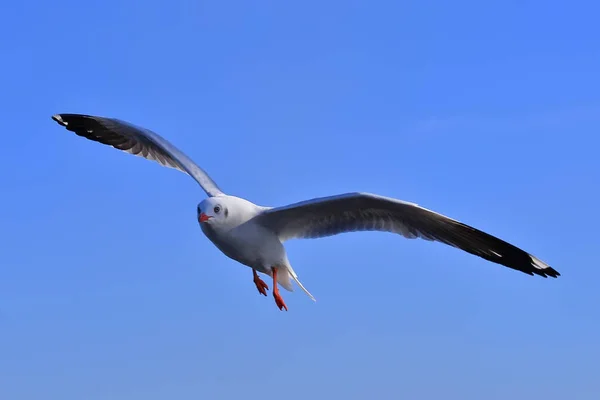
(137, 141)
(367, 212)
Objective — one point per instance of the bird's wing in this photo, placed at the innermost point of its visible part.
(367, 212)
(137, 141)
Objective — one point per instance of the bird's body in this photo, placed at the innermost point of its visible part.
(242, 238)
(254, 235)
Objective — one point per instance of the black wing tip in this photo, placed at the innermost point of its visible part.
(77, 123)
(65, 118)
(544, 273)
(59, 118)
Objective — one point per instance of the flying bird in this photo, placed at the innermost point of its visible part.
(254, 235)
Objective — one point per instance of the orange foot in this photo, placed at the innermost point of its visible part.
(278, 299)
(260, 284)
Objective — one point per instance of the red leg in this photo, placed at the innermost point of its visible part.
(278, 299)
(260, 284)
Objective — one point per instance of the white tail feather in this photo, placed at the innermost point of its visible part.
(283, 278)
(295, 277)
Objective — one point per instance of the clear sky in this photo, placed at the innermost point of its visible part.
(488, 112)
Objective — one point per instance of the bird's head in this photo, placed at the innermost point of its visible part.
(212, 211)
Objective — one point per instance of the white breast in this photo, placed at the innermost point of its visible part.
(245, 241)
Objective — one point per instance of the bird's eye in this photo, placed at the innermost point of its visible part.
(217, 209)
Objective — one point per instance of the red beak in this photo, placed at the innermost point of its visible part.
(203, 217)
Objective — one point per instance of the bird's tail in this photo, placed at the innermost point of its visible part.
(283, 278)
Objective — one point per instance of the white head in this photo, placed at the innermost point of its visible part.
(225, 211)
(213, 211)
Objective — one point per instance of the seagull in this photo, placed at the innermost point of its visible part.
(254, 235)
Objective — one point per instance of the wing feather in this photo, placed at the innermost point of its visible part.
(368, 212)
(137, 141)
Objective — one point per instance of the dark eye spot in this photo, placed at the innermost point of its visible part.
(226, 213)
(217, 209)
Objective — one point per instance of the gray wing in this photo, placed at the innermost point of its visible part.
(137, 141)
(367, 212)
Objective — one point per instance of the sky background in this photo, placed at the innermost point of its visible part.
(488, 112)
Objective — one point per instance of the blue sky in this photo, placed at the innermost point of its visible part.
(487, 112)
